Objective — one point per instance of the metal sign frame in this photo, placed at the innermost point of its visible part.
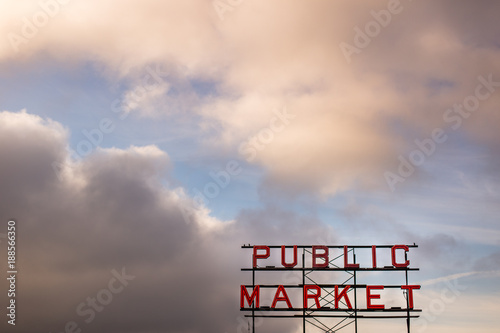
(317, 316)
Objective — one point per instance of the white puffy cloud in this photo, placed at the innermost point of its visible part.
(353, 117)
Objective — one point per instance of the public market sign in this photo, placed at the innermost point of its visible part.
(323, 291)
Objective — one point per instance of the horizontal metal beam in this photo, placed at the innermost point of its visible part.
(330, 316)
(289, 286)
(329, 246)
(330, 269)
(329, 310)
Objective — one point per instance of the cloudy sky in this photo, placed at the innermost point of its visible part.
(143, 142)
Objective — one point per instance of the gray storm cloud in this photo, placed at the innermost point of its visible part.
(111, 213)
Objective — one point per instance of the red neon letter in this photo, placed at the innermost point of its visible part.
(260, 256)
(343, 293)
(410, 293)
(277, 297)
(374, 256)
(255, 295)
(346, 265)
(313, 296)
(294, 257)
(393, 250)
(369, 298)
(323, 255)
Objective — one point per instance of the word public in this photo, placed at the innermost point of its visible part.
(320, 260)
(322, 252)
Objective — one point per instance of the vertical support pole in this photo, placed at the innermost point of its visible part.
(253, 303)
(303, 284)
(407, 300)
(355, 297)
